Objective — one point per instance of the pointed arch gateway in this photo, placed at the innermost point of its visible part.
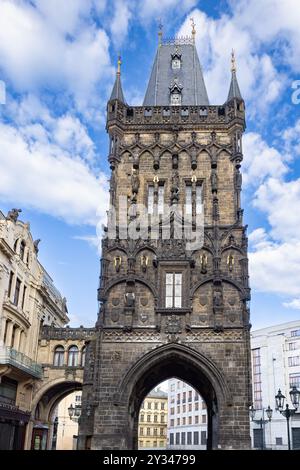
(165, 362)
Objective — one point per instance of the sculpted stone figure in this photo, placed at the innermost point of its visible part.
(13, 214)
(214, 181)
(175, 187)
(130, 299)
(135, 182)
(36, 245)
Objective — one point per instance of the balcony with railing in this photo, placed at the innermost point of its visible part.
(13, 358)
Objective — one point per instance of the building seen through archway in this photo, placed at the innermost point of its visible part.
(173, 416)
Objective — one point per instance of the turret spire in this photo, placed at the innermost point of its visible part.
(117, 92)
(234, 90)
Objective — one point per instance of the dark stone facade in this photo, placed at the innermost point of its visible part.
(138, 341)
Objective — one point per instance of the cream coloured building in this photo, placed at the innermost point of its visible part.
(28, 300)
(153, 420)
(67, 428)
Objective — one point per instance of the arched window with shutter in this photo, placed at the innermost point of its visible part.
(59, 353)
(73, 356)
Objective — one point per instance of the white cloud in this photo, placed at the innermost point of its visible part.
(258, 78)
(47, 165)
(150, 9)
(261, 160)
(295, 304)
(39, 48)
(275, 267)
(120, 21)
(280, 201)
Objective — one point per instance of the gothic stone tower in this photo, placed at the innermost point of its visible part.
(168, 309)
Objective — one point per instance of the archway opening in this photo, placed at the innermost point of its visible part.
(173, 416)
(179, 362)
(54, 426)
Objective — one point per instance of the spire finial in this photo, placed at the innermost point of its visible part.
(193, 29)
(233, 63)
(119, 65)
(160, 32)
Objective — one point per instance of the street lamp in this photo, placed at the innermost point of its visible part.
(261, 421)
(287, 413)
(74, 412)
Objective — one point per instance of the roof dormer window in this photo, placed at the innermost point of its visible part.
(176, 63)
(176, 59)
(175, 93)
(175, 99)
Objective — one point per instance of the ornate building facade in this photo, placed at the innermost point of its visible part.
(28, 300)
(153, 421)
(169, 307)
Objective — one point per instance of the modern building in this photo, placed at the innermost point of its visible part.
(275, 365)
(153, 421)
(28, 300)
(187, 421)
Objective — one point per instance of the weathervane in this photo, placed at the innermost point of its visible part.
(233, 63)
(160, 32)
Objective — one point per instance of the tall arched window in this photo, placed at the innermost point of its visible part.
(59, 353)
(22, 250)
(83, 351)
(73, 356)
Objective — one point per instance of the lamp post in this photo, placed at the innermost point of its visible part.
(288, 412)
(261, 421)
(74, 412)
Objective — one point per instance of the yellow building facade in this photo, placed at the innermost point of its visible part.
(153, 419)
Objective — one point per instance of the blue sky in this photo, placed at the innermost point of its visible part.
(58, 63)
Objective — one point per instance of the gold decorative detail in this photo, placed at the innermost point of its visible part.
(144, 262)
(203, 261)
(230, 262)
(194, 179)
(117, 263)
(233, 62)
(193, 29)
(156, 179)
(119, 65)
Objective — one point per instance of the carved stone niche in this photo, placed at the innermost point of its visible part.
(193, 158)
(156, 159)
(175, 161)
(218, 300)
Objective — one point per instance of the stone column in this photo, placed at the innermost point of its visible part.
(3, 325)
(9, 333)
(16, 344)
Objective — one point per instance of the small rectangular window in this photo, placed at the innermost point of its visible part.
(17, 291)
(189, 438)
(196, 438)
(171, 439)
(11, 276)
(173, 290)
(203, 437)
(278, 441)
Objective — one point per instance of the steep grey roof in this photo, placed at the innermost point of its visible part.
(189, 76)
(117, 92)
(234, 90)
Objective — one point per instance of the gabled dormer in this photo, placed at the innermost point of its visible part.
(175, 93)
(176, 60)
